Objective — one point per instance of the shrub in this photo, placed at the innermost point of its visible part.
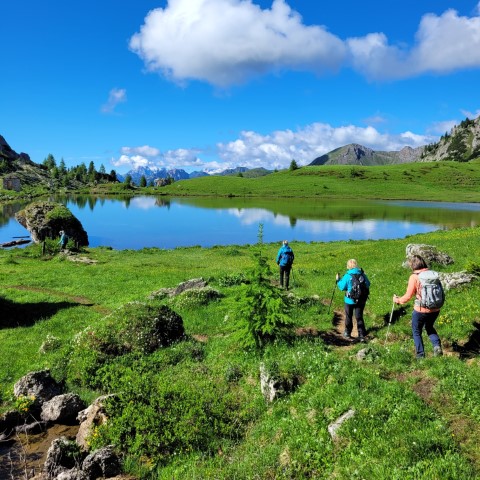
(196, 297)
(178, 411)
(232, 279)
(24, 403)
(473, 268)
(261, 314)
(138, 328)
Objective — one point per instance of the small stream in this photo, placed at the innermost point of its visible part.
(23, 456)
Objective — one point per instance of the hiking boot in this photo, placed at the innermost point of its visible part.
(347, 335)
(362, 339)
(437, 351)
(420, 357)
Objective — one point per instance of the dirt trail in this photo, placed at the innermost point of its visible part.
(334, 336)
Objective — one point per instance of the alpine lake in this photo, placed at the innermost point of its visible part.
(163, 222)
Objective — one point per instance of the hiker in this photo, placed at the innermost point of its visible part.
(285, 259)
(421, 315)
(356, 286)
(63, 240)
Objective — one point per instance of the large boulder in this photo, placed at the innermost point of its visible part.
(62, 409)
(194, 283)
(40, 385)
(62, 456)
(428, 252)
(89, 419)
(456, 279)
(103, 463)
(46, 219)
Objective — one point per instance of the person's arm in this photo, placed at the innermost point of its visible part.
(279, 254)
(343, 282)
(411, 290)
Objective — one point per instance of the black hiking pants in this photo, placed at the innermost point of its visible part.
(356, 309)
(285, 272)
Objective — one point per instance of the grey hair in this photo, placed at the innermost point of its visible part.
(352, 263)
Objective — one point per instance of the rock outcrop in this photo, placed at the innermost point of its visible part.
(89, 419)
(428, 252)
(62, 409)
(40, 385)
(431, 255)
(66, 459)
(194, 283)
(46, 219)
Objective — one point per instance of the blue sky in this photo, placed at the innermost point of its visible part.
(214, 84)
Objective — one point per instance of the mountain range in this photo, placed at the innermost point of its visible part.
(355, 154)
(153, 173)
(461, 144)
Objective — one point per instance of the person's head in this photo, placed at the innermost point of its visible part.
(352, 263)
(61, 232)
(285, 242)
(416, 262)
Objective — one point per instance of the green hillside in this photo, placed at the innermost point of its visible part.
(439, 181)
(194, 409)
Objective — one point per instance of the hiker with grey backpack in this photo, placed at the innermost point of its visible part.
(356, 286)
(427, 288)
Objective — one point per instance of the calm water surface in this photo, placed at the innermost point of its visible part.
(135, 223)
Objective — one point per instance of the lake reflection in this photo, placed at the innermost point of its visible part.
(145, 221)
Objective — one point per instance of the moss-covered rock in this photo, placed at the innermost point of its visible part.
(46, 219)
(135, 328)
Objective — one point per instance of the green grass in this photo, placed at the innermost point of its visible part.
(199, 410)
(415, 181)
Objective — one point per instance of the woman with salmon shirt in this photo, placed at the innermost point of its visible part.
(421, 316)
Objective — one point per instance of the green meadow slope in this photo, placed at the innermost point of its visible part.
(195, 409)
(439, 181)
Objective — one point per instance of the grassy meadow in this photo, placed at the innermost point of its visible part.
(194, 410)
(414, 181)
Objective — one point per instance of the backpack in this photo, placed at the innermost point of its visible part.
(359, 291)
(288, 255)
(431, 292)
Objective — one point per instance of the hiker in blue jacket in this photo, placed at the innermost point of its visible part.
(63, 240)
(354, 302)
(285, 259)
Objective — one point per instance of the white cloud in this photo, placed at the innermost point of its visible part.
(273, 151)
(279, 148)
(441, 128)
(471, 115)
(443, 44)
(116, 96)
(134, 161)
(227, 42)
(146, 151)
(147, 156)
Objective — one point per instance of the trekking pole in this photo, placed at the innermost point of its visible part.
(293, 277)
(333, 293)
(389, 323)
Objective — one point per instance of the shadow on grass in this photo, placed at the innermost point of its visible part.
(27, 314)
(471, 348)
(396, 315)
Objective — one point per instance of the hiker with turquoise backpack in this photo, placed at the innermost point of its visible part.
(285, 259)
(356, 286)
(427, 288)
